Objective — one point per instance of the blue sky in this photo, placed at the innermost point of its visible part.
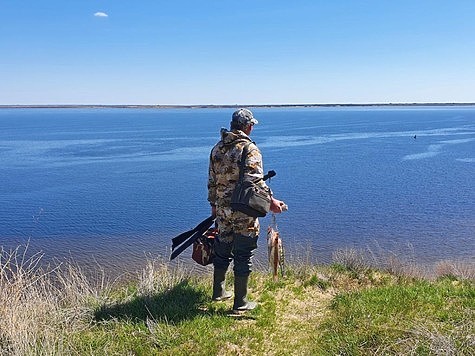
(236, 52)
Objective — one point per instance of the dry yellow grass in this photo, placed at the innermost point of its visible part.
(39, 305)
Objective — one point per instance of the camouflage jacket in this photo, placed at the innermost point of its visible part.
(223, 176)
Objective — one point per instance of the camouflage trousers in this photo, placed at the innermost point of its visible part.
(238, 248)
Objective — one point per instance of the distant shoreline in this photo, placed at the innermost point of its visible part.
(206, 106)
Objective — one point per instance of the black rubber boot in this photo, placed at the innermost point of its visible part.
(219, 292)
(240, 292)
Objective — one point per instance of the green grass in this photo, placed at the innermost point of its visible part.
(410, 316)
(296, 315)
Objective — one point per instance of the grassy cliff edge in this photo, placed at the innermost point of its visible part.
(345, 308)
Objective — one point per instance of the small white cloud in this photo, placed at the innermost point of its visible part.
(101, 14)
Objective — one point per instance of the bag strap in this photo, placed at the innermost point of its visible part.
(242, 164)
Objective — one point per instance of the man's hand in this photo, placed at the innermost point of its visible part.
(277, 206)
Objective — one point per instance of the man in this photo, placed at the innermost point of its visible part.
(238, 232)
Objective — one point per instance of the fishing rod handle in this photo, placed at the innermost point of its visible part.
(269, 174)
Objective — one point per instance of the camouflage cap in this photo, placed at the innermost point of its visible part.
(244, 116)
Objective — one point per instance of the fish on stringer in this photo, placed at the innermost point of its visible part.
(275, 250)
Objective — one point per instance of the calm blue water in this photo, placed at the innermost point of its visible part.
(118, 184)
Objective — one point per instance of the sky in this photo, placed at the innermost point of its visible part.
(236, 52)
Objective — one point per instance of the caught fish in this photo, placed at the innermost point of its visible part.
(275, 251)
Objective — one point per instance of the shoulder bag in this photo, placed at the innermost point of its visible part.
(249, 197)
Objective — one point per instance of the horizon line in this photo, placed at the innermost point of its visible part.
(204, 106)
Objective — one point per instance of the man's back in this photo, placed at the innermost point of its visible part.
(224, 168)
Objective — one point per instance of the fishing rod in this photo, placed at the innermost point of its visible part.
(204, 225)
(186, 239)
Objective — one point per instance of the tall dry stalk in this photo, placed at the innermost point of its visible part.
(457, 269)
(353, 259)
(158, 276)
(40, 305)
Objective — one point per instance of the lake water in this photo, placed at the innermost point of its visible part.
(115, 185)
